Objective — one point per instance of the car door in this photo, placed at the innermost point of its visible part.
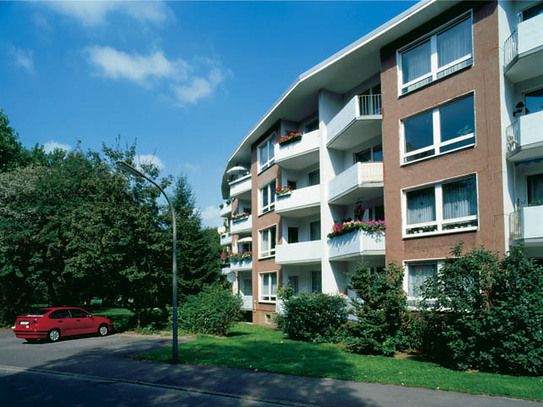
(62, 320)
(82, 322)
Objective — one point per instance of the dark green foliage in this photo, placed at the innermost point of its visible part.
(11, 150)
(213, 311)
(317, 317)
(486, 313)
(380, 310)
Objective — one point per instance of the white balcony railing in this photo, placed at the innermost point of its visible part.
(240, 226)
(299, 154)
(525, 137)
(242, 265)
(355, 179)
(241, 186)
(525, 224)
(523, 50)
(360, 117)
(226, 239)
(356, 244)
(299, 253)
(299, 199)
(226, 210)
(247, 302)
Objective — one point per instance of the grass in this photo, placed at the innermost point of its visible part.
(257, 348)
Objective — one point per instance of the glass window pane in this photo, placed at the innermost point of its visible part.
(454, 43)
(459, 199)
(271, 150)
(316, 282)
(265, 200)
(265, 285)
(416, 62)
(273, 238)
(534, 101)
(418, 273)
(315, 231)
(532, 12)
(272, 192)
(378, 154)
(273, 277)
(265, 242)
(314, 178)
(535, 189)
(363, 156)
(418, 132)
(457, 119)
(421, 206)
(263, 153)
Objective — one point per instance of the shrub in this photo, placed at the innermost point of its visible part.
(123, 319)
(313, 318)
(486, 313)
(213, 311)
(380, 309)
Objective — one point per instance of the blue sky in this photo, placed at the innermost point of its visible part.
(186, 80)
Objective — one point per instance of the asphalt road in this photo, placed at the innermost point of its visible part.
(94, 371)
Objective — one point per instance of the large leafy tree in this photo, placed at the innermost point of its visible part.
(11, 150)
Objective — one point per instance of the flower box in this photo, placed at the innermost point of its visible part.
(235, 257)
(372, 226)
(240, 216)
(291, 137)
(283, 191)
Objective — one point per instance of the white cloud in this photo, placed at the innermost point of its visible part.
(149, 159)
(191, 167)
(95, 13)
(52, 145)
(211, 216)
(198, 87)
(135, 67)
(23, 58)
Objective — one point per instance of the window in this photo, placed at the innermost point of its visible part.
(293, 235)
(373, 154)
(533, 11)
(370, 101)
(442, 208)
(266, 153)
(293, 283)
(267, 242)
(60, 314)
(535, 190)
(246, 287)
(440, 54)
(78, 313)
(314, 125)
(268, 287)
(439, 131)
(267, 198)
(316, 282)
(314, 178)
(291, 184)
(417, 274)
(534, 101)
(315, 231)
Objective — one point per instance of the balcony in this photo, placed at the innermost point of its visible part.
(226, 210)
(241, 187)
(300, 202)
(247, 302)
(226, 239)
(362, 180)
(242, 226)
(354, 245)
(524, 50)
(242, 265)
(525, 226)
(525, 138)
(299, 154)
(359, 120)
(299, 253)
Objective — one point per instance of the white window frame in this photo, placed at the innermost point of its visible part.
(271, 195)
(440, 222)
(437, 144)
(268, 297)
(435, 71)
(269, 252)
(416, 300)
(269, 143)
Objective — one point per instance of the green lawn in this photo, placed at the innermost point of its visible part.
(253, 347)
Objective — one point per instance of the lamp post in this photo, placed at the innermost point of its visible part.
(132, 171)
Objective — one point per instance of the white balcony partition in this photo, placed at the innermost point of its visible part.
(525, 137)
(524, 50)
(299, 253)
(356, 244)
(241, 186)
(242, 226)
(299, 200)
(359, 119)
(226, 239)
(350, 184)
(299, 154)
(247, 302)
(532, 224)
(243, 265)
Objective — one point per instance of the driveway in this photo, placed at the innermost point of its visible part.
(94, 371)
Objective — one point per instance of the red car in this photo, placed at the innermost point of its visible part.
(56, 322)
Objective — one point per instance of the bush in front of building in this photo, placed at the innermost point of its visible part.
(213, 311)
(380, 309)
(485, 313)
(314, 318)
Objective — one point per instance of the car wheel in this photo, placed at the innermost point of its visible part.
(54, 335)
(103, 330)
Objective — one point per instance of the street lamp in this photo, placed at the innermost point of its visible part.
(132, 171)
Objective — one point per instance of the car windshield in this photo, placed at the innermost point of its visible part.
(38, 312)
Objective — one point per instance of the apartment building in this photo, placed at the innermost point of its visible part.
(432, 123)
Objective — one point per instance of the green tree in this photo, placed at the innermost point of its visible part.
(11, 151)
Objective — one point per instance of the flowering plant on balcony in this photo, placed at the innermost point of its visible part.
(240, 256)
(291, 137)
(372, 226)
(240, 216)
(282, 191)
